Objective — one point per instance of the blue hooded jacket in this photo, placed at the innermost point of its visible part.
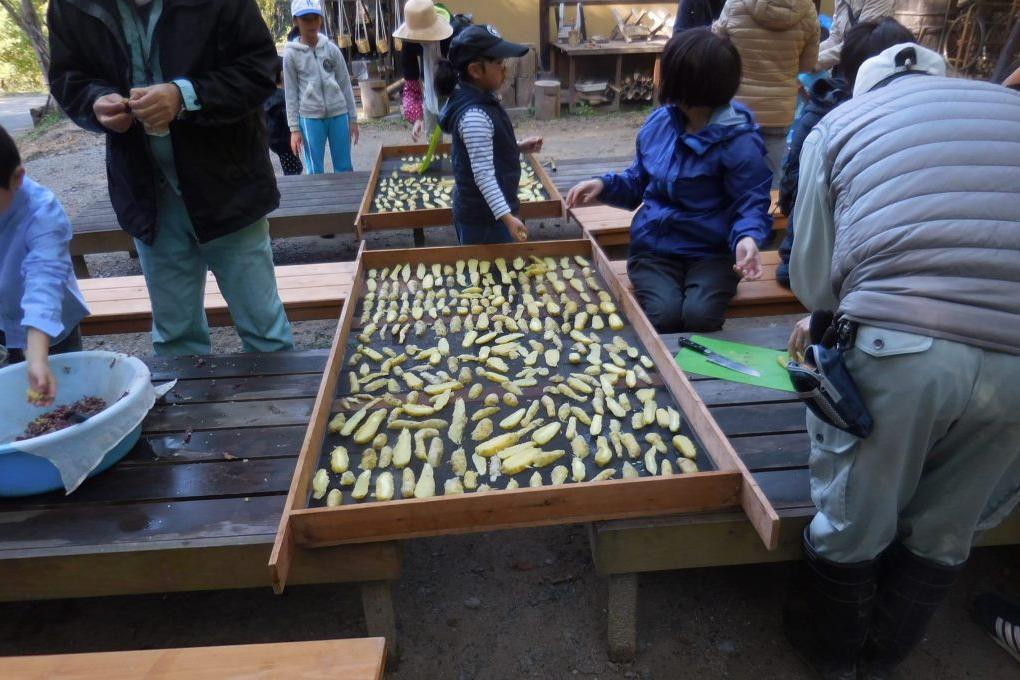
(702, 192)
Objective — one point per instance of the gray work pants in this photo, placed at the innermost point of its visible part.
(942, 463)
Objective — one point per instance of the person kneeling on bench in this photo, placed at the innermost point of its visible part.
(701, 179)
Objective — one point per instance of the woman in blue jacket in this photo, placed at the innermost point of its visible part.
(702, 182)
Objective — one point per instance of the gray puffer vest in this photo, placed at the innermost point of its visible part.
(925, 186)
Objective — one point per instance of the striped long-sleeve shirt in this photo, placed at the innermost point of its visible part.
(476, 130)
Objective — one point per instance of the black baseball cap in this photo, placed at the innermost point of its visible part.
(478, 41)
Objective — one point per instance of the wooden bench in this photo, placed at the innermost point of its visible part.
(354, 659)
(610, 228)
(120, 304)
(310, 205)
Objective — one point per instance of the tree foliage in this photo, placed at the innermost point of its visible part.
(24, 50)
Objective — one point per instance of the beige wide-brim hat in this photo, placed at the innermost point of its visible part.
(422, 23)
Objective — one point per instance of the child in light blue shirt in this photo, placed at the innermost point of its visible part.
(40, 304)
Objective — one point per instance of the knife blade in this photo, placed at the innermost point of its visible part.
(717, 358)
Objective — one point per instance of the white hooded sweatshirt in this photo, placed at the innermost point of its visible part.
(316, 82)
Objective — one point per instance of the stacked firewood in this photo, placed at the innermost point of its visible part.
(637, 88)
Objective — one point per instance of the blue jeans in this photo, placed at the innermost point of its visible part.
(317, 131)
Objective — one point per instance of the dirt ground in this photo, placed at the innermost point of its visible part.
(506, 605)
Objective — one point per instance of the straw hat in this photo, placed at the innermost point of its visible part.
(422, 23)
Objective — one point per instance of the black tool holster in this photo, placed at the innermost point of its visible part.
(823, 382)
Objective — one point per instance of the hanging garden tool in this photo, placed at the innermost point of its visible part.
(398, 18)
(382, 38)
(361, 28)
(343, 38)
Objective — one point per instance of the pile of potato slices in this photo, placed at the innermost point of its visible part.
(484, 375)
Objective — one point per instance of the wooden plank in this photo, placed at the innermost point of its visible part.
(227, 415)
(753, 499)
(101, 527)
(301, 385)
(183, 566)
(747, 420)
(354, 659)
(236, 365)
(159, 483)
(216, 445)
(565, 504)
(281, 558)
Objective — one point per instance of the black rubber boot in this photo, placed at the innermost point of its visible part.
(911, 588)
(828, 611)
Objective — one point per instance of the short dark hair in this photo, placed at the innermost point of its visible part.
(10, 159)
(699, 68)
(868, 39)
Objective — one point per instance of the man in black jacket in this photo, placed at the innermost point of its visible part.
(177, 86)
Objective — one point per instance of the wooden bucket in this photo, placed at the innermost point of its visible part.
(373, 98)
(547, 99)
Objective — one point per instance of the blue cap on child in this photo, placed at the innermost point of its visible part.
(299, 8)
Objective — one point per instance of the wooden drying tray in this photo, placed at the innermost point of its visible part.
(367, 220)
(729, 486)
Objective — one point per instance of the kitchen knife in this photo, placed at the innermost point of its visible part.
(717, 358)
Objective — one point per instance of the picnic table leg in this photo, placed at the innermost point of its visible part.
(81, 269)
(380, 621)
(571, 74)
(618, 83)
(622, 633)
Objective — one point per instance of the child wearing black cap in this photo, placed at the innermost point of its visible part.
(486, 154)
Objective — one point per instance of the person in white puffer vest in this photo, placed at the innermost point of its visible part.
(908, 229)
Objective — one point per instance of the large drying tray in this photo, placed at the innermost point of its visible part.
(723, 482)
(391, 159)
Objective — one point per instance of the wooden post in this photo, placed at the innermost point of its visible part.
(81, 269)
(622, 632)
(543, 32)
(380, 621)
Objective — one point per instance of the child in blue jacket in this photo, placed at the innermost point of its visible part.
(702, 182)
(40, 304)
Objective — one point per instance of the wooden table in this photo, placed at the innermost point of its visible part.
(614, 48)
(767, 428)
(196, 504)
(310, 205)
(353, 659)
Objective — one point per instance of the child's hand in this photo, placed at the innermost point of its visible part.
(42, 386)
(530, 145)
(113, 113)
(748, 262)
(585, 193)
(417, 129)
(516, 228)
(355, 133)
(296, 142)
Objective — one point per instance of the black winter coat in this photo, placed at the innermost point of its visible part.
(696, 13)
(224, 48)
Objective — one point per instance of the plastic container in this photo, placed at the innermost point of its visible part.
(124, 382)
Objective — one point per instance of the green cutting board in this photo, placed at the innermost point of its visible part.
(765, 360)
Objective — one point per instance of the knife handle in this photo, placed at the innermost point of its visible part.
(691, 345)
